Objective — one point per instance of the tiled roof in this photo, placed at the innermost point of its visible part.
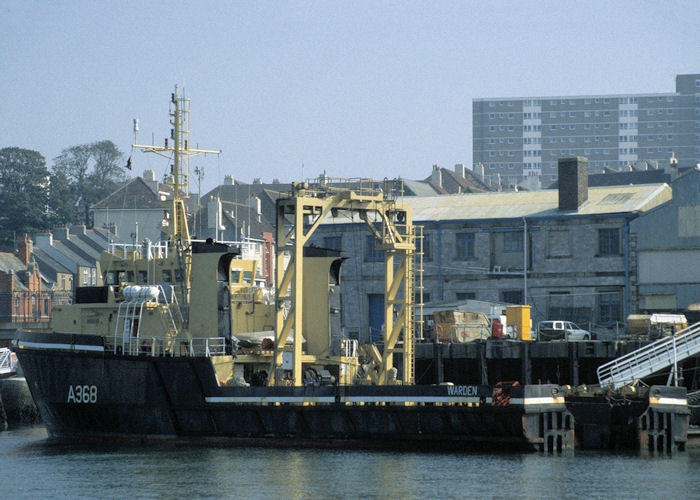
(135, 194)
(10, 262)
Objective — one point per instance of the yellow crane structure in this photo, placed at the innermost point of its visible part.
(298, 217)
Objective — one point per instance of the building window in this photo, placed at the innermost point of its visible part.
(466, 296)
(417, 298)
(372, 254)
(513, 241)
(608, 242)
(512, 296)
(86, 276)
(609, 307)
(332, 242)
(465, 245)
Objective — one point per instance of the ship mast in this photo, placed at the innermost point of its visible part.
(175, 220)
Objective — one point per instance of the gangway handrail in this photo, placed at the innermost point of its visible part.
(645, 361)
(7, 365)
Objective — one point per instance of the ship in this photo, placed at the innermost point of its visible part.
(180, 345)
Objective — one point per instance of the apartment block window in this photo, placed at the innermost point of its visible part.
(492, 116)
(609, 241)
(609, 307)
(464, 246)
(372, 254)
(332, 242)
(513, 241)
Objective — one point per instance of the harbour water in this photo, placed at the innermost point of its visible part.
(31, 468)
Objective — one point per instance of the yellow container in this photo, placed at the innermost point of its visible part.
(518, 317)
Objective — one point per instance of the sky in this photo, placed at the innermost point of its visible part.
(289, 90)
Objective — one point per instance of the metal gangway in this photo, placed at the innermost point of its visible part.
(8, 362)
(651, 358)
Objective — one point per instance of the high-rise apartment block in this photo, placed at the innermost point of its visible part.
(517, 138)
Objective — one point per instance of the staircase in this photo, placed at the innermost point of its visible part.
(659, 355)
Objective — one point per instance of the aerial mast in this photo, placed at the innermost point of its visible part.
(175, 221)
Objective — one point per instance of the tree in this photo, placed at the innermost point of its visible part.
(63, 199)
(24, 187)
(93, 171)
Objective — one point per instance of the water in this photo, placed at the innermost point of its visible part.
(30, 468)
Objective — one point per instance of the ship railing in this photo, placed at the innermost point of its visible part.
(147, 249)
(168, 346)
(173, 301)
(207, 346)
(349, 348)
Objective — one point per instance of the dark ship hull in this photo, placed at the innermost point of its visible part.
(86, 394)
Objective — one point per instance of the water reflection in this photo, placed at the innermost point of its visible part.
(30, 467)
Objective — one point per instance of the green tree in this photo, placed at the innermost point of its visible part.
(24, 188)
(63, 199)
(93, 171)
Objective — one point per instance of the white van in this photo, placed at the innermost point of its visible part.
(561, 330)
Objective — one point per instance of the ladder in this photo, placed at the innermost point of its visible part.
(414, 291)
(651, 358)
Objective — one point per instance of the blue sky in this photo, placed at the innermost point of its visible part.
(362, 88)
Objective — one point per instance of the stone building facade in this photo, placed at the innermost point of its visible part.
(579, 259)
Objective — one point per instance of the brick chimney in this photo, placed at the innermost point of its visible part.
(24, 249)
(573, 182)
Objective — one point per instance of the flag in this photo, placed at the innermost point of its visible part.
(128, 163)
